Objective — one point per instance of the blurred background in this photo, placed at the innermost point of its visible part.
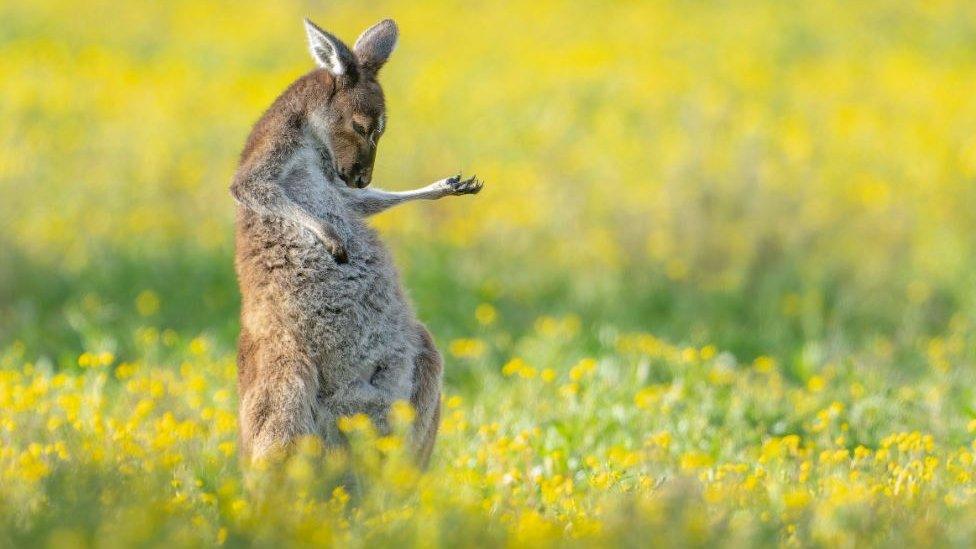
(772, 178)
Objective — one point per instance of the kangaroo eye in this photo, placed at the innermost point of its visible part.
(359, 129)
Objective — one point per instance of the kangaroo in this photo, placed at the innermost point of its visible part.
(326, 329)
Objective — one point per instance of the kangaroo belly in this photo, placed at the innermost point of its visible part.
(349, 320)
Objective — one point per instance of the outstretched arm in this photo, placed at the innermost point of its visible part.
(367, 202)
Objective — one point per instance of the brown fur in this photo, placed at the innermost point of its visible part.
(426, 397)
(326, 330)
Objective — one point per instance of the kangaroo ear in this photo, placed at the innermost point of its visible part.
(329, 52)
(375, 44)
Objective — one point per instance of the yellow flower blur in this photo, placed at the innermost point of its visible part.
(718, 288)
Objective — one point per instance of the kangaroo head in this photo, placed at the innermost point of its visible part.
(355, 115)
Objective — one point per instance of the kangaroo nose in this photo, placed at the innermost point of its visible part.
(363, 179)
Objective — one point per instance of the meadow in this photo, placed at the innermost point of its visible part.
(719, 288)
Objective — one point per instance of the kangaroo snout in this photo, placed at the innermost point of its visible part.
(363, 178)
(357, 178)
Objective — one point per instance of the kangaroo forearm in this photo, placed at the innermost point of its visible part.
(367, 202)
(269, 198)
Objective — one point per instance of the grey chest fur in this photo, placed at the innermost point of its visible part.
(348, 320)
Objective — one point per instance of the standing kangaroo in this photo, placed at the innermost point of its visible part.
(326, 330)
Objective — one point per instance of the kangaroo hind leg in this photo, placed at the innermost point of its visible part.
(278, 406)
(426, 397)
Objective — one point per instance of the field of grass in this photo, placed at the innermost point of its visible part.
(719, 288)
